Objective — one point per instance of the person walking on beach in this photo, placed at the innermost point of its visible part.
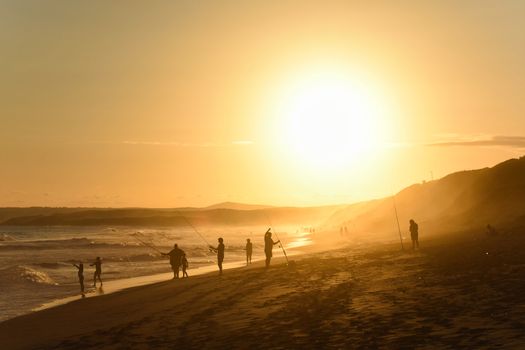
(175, 259)
(220, 253)
(184, 266)
(80, 268)
(249, 249)
(414, 233)
(98, 271)
(268, 246)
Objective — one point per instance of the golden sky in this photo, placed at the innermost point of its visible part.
(175, 103)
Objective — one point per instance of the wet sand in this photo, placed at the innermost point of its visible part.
(459, 291)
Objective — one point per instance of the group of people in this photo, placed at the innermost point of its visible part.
(98, 272)
(178, 258)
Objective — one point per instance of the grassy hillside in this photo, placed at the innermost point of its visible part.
(462, 200)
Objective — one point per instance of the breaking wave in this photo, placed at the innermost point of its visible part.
(6, 238)
(25, 274)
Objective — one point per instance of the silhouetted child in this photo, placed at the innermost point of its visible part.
(249, 249)
(98, 271)
(184, 266)
(80, 268)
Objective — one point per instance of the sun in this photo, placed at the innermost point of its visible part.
(332, 121)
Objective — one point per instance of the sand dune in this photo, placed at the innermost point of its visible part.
(461, 292)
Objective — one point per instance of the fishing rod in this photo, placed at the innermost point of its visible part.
(280, 242)
(193, 227)
(398, 226)
(146, 244)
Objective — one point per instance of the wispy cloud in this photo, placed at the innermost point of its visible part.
(188, 144)
(171, 143)
(242, 142)
(485, 141)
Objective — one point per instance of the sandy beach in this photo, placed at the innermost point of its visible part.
(459, 291)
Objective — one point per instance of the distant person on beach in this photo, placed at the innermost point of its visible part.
(249, 249)
(184, 266)
(414, 233)
(175, 259)
(80, 268)
(98, 271)
(491, 231)
(268, 246)
(220, 253)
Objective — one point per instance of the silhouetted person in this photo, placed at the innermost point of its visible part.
(98, 271)
(175, 259)
(249, 250)
(220, 253)
(414, 233)
(268, 246)
(346, 231)
(80, 268)
(184, 266)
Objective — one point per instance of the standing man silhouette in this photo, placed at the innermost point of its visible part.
(220, 253)
(268, 246)
(414, 233)
(98, 271)
(175, 259)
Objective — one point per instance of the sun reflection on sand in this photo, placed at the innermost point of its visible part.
(299, 240)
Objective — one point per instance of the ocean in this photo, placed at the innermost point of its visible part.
(36, 263)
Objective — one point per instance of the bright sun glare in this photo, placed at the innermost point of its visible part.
(332, 122)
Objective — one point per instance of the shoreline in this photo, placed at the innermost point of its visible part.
(123, 284)
(27, 291)
(458, 292)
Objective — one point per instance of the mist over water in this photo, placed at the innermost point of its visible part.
(36, 262)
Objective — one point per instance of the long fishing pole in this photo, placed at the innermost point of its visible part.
(398, 226)
(193, 227)
(280, 242)
(147, 245)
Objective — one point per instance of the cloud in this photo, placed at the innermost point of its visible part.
(170, 143)
(491, 141)
(242, 142)
(188, 144)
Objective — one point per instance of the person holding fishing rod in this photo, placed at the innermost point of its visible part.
(80, 268)
(268, 246)
(98, 271)
(175, 259)
(220, 253)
